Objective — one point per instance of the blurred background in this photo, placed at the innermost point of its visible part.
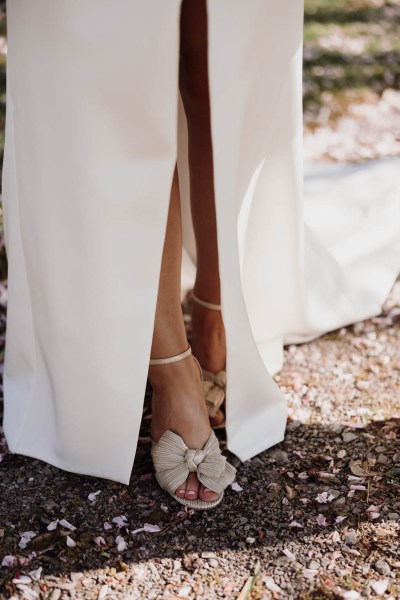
(351, 88)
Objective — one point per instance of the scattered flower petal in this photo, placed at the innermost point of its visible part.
(321, 520)
(289, 554)
(92, 497)
(121, 521)
(121, 543)
(107, 526)
(295, 524)
(70, 542)
(324, 498)
(151, 528)
(100, 541)
(236, 487)
(26, 538)
(340, 519)
(66, 524)
(9, 561)
(36, 574)
(53, 525)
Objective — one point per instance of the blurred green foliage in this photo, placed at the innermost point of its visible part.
(350, 46)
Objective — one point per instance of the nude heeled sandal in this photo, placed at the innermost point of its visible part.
(173, 460)
(214, 384)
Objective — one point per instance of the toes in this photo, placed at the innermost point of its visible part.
(192, 487)
(218, 419)
(181, 491)
(207, 495)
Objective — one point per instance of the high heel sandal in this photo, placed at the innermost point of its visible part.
(173, 460)
(214, 384)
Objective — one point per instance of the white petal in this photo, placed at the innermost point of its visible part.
(289, 554)
(138, 530)
(66, 524)
(93, 495)
(22, 579)
(27, 592)
(151, 528)
(36, 574)
(9, 561)
(121, 520)
(107, 526)
(70, 542)
(100, 541)
(340, 519)
(321, 520)
(53, 525)
(295, 524)
(121, 543)
(236, 487)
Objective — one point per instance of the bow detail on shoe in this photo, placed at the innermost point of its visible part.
(173, 461)
(214, 386)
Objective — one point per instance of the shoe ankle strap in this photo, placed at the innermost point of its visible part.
(171, 359)
(204, 303)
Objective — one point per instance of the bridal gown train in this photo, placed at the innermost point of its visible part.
(94, 126)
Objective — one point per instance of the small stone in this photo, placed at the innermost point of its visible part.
(75, 576)
(382, 567)
(280, 456)
(55, 594)
(382, 459)
(351, 595)
(393, 516)
(314, 565)
(380, 449)
(351, 538)
(348, 436)
(213, 563)
(340, 501)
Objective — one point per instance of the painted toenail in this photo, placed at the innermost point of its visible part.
(191, 492)
(181, 491)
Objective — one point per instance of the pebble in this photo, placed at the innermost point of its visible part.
(393, 516)
(314, 565)
(382, 459)
(75, 576)
(280, 456)
(382, 567)
(349, 437)
(340, 501)
(55, 594)
(351, 538)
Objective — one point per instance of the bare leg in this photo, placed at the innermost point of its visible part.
(208, 334)
(178, 403)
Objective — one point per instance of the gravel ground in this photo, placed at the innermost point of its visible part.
(315, 517)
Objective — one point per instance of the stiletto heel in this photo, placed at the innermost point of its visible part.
(214, 384)
(173, 460)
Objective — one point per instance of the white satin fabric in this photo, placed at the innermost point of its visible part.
(93, 113)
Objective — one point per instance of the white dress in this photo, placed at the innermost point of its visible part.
(94, 126)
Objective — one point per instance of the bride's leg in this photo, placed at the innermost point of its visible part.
(208, 334)
(178, 403)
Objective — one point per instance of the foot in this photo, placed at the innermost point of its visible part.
(209, 344)
(178, 405)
